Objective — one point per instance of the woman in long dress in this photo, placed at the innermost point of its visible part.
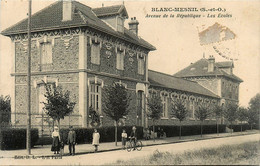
(55, 140)
(95, 141)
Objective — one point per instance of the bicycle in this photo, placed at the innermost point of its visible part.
(130, 145)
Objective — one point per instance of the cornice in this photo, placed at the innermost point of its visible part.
(78, 71)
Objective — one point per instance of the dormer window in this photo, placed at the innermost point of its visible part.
(113, 15)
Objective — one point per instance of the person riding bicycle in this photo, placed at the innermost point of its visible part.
(133, 136)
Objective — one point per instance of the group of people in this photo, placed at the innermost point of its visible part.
(58, 141)
(149, 134)
(133, 137)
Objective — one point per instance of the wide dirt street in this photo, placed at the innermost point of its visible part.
(113, 156)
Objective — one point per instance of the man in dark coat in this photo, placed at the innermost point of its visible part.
(72, 140)
(133, 136)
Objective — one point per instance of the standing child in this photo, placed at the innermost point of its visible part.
(124, 137)
(95, 141)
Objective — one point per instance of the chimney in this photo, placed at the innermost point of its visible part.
(211, 63)
(133, 25)
(67, 10)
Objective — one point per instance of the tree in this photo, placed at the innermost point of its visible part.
(242, 115)
(116, 103)
(230, 113)
(252, 117)
(218, 113)
(5, 110)
(254, 110)
(180, 112)
(154, 103)
(58, 104)
(202, 113)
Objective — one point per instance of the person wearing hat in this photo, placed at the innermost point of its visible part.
(72, 141)
(55, 140)
(133, 136)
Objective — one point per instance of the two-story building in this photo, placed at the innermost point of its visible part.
(217, 77)
(82, 50)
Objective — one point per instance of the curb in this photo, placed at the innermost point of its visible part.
(119, 148)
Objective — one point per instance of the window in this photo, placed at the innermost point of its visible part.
(192, 109)
(152, 93)
(165, 106)
(95, 97)
(41, 91)
(141, 64)
(46, 53)
(95, 53)
(140, 95)
(120, 60)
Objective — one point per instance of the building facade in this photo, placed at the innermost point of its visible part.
(82, 50)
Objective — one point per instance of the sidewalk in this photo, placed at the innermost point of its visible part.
(110, 146)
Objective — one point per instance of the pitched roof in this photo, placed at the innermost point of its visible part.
(200, 68)
(50, 18)
(164, 80)
(225, 64)
(110, 10)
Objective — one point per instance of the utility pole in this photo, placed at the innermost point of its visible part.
(28, 133)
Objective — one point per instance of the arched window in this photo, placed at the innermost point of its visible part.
(164, 97)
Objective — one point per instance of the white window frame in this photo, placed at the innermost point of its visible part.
(95, 97)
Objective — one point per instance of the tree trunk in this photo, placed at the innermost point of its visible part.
(58, 120)
(201, 129)
(116, 133)
(153, 132)
(180, 131)
(231, 128)
(241, 127)
(251, 127)
(217, 127)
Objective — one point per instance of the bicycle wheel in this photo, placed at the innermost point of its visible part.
(128, 146)
(139, 145)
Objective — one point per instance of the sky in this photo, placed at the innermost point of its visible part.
(176, 39)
